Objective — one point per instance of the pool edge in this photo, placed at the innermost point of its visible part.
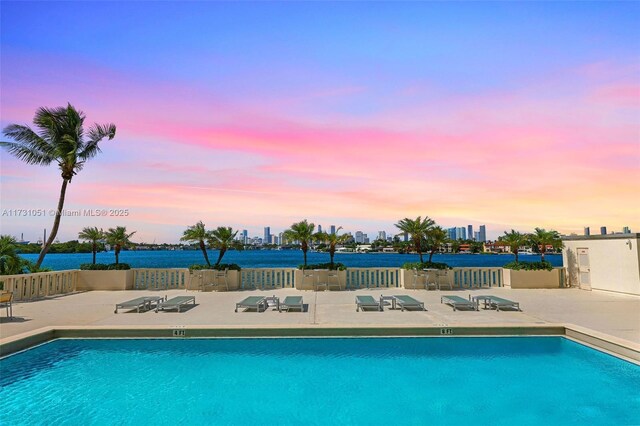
(620, 348)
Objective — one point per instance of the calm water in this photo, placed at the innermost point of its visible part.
(318, 381)
(274, 258)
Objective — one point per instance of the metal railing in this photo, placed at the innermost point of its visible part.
(27, 287)
(160, 278)
(372, 278)
(266, 278)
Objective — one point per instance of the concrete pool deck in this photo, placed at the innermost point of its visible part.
(612, 314)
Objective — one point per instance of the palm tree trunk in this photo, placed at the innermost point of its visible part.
(56, 224)
(516, 253)
(94, 247)
(542, 250)
(117, 252)
(204, 252)
(331, 254)
(431, 255)
(304, 253)
(223, 250)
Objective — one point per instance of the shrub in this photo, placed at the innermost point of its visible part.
(119, 267)
(94, 267)
(104, 267)
(529, 266)
(337, 266)
(425, 265)
(220, 267)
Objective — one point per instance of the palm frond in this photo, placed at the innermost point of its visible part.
(26, 154)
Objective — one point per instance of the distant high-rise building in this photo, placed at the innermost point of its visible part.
(603, 230)
(281, 238)
(587, 231)
(461, 233)
(365, 238)
(267, 235)
(319, 228)
(483, 234)
(406, 237)
(359, 237)
(245, 236)
(470, 232)
(333, 229)
(382, 235)
(451, 233)
(476, 235)
(626, 230)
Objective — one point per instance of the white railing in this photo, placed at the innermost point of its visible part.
(266, 278)
(27, 287)
(477, 277)
(373, 278)
(160, 278)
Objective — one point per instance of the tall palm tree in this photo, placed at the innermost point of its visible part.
(118, 238)
(10, 261)
(199, 234)
(60, 138)
(436, 238)
(418, 230)
(514, 240)
(542, 238)
(222, 238)
(303, 233)
(92, 235)
(332, 239)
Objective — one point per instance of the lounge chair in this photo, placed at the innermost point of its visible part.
(367, 302)
(407, 302)
(458, 302)
(253, 302)
(499, 302)
(292, 302)
(139, 302)
(175, 303)
(5, 302)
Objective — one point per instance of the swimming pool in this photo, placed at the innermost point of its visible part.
(506, 380)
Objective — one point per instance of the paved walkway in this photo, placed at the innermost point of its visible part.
(614, 314)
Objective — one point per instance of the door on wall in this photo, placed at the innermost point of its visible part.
(584, 269)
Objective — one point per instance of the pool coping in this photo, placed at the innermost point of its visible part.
(612, 345)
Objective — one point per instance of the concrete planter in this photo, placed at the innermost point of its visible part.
(532, 279)
(197, 278)
(105, 280)
(318, 276)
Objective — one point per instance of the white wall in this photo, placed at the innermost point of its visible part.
(614, 261)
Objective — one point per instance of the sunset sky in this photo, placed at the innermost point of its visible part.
(513, 115)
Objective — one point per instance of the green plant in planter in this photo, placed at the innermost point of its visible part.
(118, 237)
(94, 235)
(331, 266)
(529, 266)
(331, 240)
(425, 265)
(223, 238)
(543, 238)
(199, 234)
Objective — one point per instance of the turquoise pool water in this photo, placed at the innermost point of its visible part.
(532, 380)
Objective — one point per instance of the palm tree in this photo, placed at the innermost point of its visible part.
(118, 238)
(542, 238)
(10, 262)
(93, 235)
(514, 240)
(418, 229)
(332, 240)
(436, 237)
(198, 233)
(222, 238)
(303, 233)
(60, 138)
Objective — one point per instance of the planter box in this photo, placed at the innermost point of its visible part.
(318, 276)
(198, 278)
(105, 280)
(532, 279)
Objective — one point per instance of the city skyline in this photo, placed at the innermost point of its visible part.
(353, 114)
